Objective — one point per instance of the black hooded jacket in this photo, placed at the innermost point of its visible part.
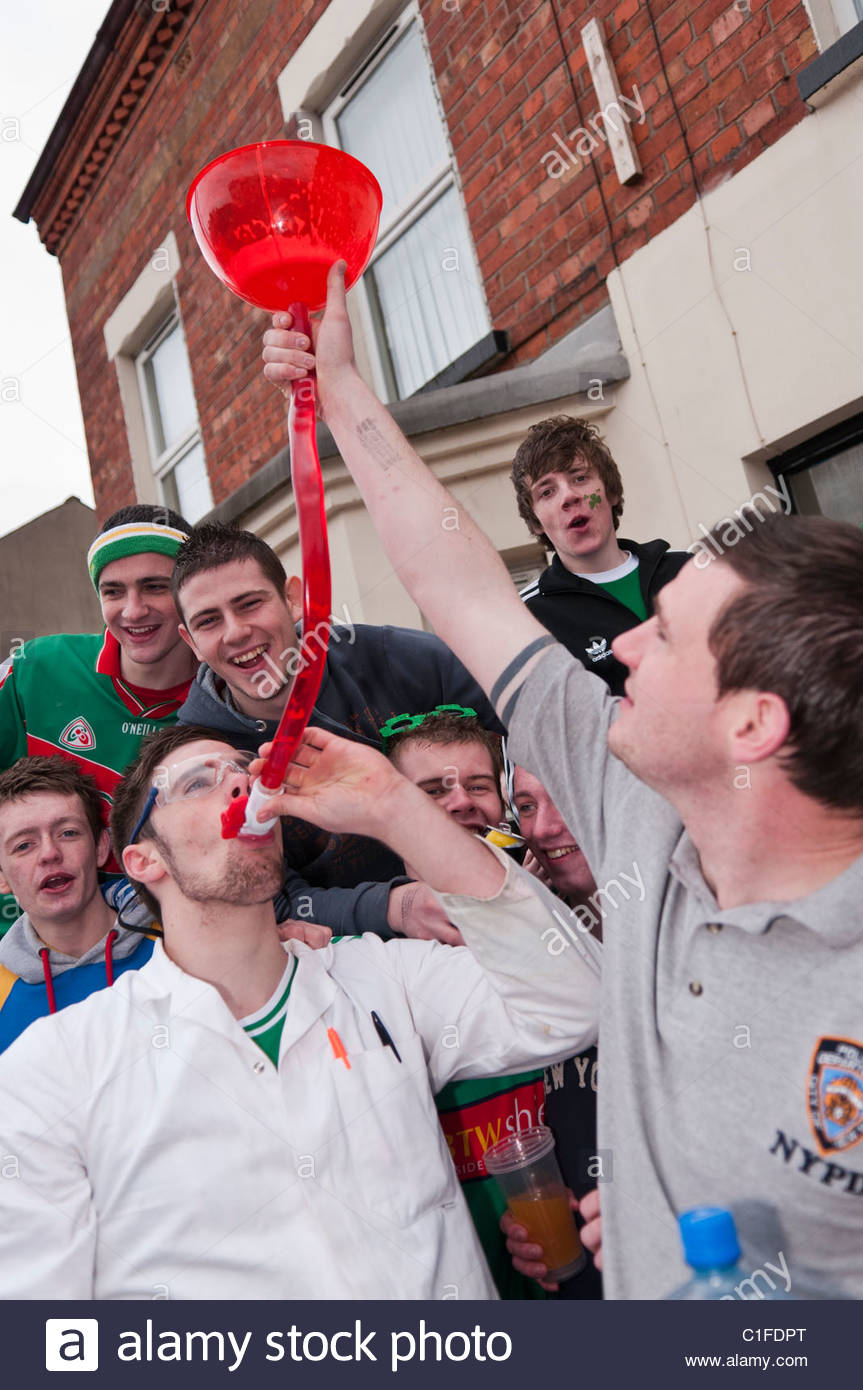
(586, 618)
(371, 674)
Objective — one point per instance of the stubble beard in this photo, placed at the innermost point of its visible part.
(244, 880)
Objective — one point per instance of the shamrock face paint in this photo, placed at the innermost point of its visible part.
(573, 510)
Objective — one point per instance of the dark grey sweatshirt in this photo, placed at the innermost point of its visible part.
(371, 674)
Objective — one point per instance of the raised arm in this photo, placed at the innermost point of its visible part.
(530, 994)
(446, 563)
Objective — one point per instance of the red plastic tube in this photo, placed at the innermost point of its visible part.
(315, 555)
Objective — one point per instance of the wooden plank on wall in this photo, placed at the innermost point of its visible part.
(614, 119)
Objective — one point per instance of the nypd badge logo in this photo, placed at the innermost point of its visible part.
(836, 1094)
(78, 736)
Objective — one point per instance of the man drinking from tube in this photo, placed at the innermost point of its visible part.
(244, 1118)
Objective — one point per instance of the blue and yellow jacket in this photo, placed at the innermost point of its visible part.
(35, 981)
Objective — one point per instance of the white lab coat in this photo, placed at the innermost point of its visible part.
(162, 1155)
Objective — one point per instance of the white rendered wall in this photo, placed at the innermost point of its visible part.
(740, 363)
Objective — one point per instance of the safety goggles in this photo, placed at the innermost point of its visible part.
(190, 779)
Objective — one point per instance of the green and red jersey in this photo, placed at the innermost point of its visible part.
(65, 695)
(474, 1115)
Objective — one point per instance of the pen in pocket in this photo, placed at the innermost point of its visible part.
(384, 1036)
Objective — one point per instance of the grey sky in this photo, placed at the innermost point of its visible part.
(41, 433)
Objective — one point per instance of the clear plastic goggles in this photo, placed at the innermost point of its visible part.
(199, 776)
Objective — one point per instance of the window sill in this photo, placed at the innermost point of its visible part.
(833, 68)
(588, 356)
(478, 359)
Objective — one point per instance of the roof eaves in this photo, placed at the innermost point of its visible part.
(103, 45)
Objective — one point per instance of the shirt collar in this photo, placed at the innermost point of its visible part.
(831, 912)
(138, 699)
(311, 994)
(108, 660)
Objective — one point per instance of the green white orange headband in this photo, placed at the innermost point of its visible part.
(135, 538)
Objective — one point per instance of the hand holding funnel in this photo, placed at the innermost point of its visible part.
(271, 219)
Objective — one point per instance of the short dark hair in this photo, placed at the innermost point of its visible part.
(145, 511)
(29, 776)
(132, 790)
(556, 445)
(797, 631)
(213, 544)
(447, 728)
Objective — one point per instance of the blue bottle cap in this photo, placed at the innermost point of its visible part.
(709, 1238)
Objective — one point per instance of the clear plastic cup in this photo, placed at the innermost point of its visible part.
(525, 1168)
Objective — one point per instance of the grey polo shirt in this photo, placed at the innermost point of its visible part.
(731, 1042)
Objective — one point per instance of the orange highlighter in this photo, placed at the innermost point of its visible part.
(338, 1047)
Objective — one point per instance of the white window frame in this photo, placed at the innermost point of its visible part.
(525, 564)
(147, 306)
(164, 461)
(441, 179)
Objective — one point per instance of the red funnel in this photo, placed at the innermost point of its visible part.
(272, 218)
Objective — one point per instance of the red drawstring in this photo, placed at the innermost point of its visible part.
(49, 983)
(46, 966)
(109, 962)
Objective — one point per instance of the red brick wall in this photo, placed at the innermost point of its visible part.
(506, 76)
(546, 245)
(217, 90)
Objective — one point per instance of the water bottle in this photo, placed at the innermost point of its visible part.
(712, 1251)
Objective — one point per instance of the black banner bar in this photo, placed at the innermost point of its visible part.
(564, 1345)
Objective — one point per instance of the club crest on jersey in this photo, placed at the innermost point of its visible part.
(78, 736)
(836, 1094)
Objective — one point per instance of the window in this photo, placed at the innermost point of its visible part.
(825, 475)
(171, 420)
(847, 13)
(525, 565)
(832, 18)
(422, 291)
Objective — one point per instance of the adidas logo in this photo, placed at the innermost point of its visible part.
(598, 649)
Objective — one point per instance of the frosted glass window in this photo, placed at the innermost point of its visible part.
(171, 391)
(430, 299)
(422, 294)
(171, 414)
(393, 125)
(848, 13)
(832, 488)
(191, 485)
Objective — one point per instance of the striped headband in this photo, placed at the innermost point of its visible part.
(135, 538)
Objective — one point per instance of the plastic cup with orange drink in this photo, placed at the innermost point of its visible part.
(525, 1168)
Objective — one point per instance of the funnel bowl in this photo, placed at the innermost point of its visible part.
(272, 218)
